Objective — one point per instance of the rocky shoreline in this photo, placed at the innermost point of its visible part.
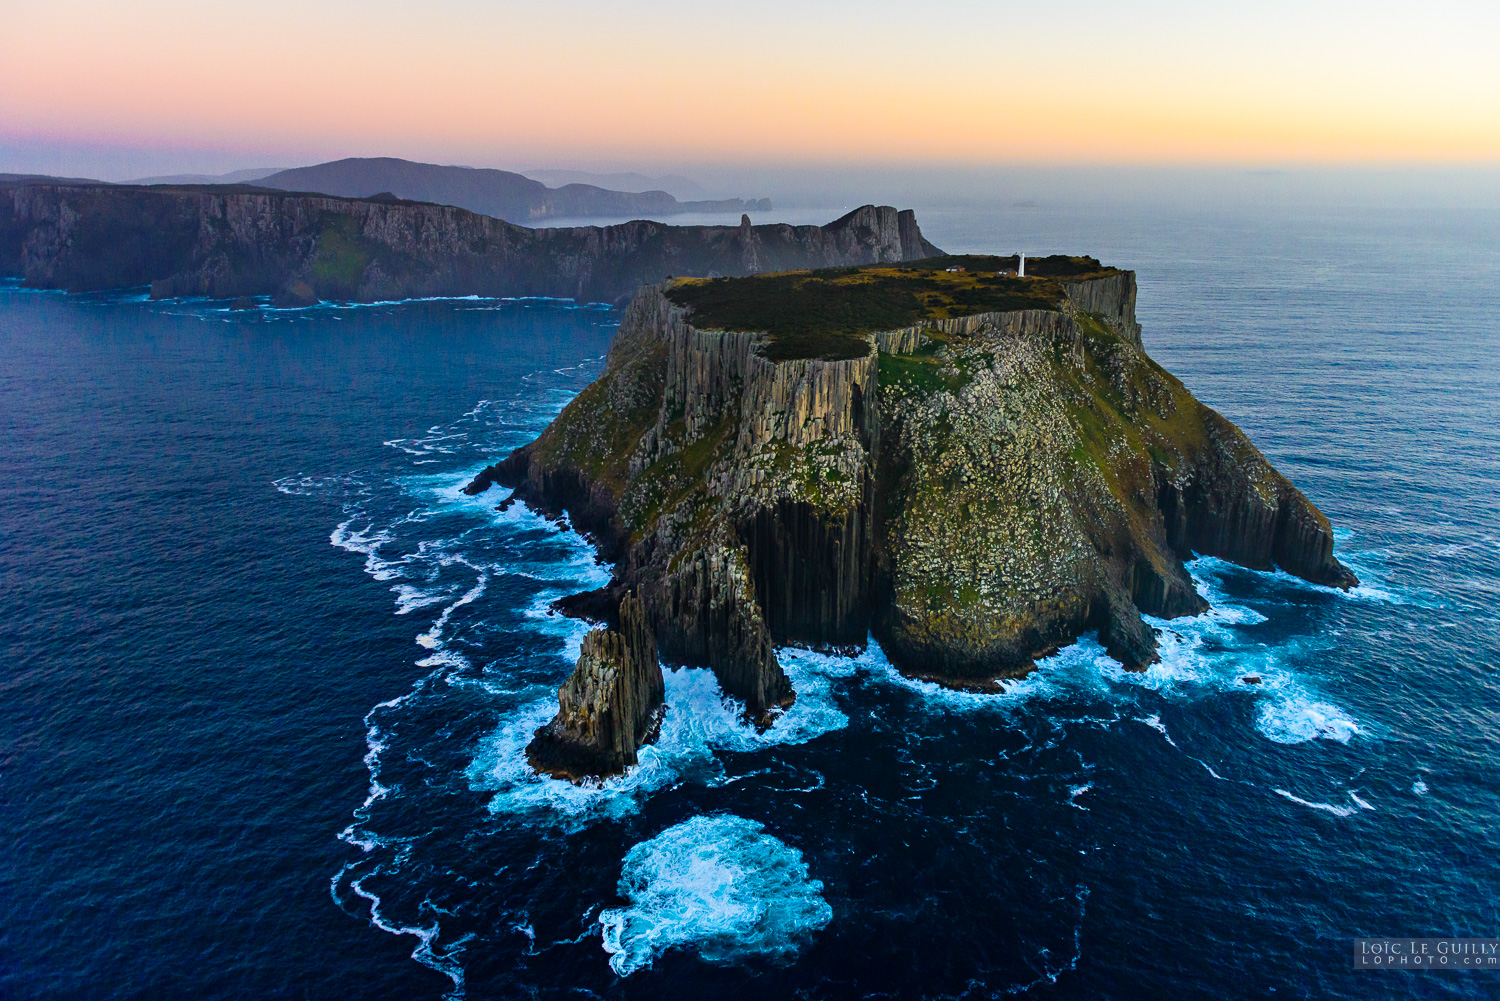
(975, 489)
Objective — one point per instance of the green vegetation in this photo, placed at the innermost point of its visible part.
(596, 438)
(1120, 431)
(925, 372)
(824, 314)
(342, 256)
(1055, 266)
(675, 480)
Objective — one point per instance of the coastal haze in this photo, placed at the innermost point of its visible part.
(170, 87)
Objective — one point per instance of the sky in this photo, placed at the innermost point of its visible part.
(119, 90)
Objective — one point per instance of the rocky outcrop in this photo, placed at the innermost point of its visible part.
(228, 241)
(610, 705)
(1111, 297)
(705, 604)
(975, 489)
(1052, 485)
(1244, 511)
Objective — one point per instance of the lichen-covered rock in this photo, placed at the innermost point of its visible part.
(977, 488)
(610, 705)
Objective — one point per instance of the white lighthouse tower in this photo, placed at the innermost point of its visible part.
(1021, 269)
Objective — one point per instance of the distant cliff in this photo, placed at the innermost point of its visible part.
(976, 467)
(230, 241)
(499, 193)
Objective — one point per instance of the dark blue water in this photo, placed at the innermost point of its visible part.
(268, 674)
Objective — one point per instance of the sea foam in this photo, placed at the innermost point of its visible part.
(1201, 655)
(718, 885)
(1337, 809)
(700, 721)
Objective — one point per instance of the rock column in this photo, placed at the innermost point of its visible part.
(610, 705)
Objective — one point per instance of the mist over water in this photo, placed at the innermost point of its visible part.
(272, 673)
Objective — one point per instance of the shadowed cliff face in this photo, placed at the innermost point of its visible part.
(610, 705)
(976, 489)
(230, 241)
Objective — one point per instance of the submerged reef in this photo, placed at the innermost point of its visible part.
(975, 467)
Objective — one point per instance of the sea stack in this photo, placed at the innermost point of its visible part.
(610, 705)
(973, 467)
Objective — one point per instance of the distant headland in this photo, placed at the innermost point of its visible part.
(503, 194)
(230, 241)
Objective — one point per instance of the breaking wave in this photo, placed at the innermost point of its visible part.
(700, 721)
(1208, 654)
(718, 885)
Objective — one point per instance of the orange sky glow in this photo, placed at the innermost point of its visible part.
(661, 81)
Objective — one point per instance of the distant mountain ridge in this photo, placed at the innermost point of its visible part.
(679, 187)
(502, 194)
(233, 177)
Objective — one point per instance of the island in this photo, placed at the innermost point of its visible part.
(974, 467)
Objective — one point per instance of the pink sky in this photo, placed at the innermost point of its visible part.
(662, 82)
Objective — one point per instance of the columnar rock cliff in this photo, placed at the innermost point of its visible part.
(231, 241)
(610, 705)
(976, 468)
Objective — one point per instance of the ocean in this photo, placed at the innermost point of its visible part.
(269, 673)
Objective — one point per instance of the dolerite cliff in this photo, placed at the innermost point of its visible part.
(232, 241)
(610, 705)
(975, 467)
